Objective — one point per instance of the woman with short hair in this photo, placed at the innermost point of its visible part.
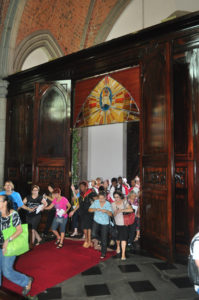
(14, 196)
(33, 218)
(119, 207)
(62, 206)
(102, 212)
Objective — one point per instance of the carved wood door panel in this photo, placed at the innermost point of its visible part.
(51, 149)
(19, 141)
(157, 153)
(184, 157)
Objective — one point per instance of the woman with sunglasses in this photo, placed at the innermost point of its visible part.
(119, 207)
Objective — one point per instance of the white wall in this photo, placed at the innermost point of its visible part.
(140, 14)
(105, 151)
(35, 58)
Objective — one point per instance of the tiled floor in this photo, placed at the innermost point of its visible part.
(139, 277)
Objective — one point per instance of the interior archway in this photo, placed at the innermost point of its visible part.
(39, 43)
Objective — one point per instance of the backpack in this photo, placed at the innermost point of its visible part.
(193, 270)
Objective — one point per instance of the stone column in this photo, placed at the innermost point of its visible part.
(3, 93)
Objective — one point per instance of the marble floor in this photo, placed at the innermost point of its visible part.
(139, 277)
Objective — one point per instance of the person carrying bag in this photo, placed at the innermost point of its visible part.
(13, 241)
(129, 217)
(20, 244)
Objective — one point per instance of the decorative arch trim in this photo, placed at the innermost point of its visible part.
(38, 39)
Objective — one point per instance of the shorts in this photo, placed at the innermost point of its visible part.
(122, 234)
(59, 222)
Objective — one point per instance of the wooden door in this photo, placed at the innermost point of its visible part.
(51, 149)
(184, 157)
(157, 153)
(132, 155)
(19, 141)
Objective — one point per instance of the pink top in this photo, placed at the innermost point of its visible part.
(62, 204)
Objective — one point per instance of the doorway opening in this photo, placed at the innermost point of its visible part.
(106, 126)
(106, 151)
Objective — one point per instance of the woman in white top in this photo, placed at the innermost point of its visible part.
(119, 207)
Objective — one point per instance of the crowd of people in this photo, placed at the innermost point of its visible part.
(98, 204)
(104, 213)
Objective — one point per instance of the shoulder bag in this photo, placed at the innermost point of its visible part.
(20, 244)
(129, 218)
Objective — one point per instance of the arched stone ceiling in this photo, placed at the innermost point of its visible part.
(73, 24)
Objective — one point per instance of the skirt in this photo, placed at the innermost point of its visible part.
(86, 221)
(122, 233)
(33, 221)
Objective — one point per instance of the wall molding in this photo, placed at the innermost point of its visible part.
(38, 39)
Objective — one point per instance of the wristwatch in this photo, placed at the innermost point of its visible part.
(10, 239)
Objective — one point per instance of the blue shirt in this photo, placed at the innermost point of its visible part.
(16, 199)
(100, 217)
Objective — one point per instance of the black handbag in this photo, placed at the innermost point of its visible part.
(113, 229)
(193, 270)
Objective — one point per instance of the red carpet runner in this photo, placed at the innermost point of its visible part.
(50, 266)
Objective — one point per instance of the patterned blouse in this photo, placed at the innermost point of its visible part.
(5, 223)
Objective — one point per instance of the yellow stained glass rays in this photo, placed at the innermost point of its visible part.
(108, 103)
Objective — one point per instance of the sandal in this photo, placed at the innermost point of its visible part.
(57, 242)
(38, 243)
(60, 245)
(85, 245)
(136, 238)
(27, 288)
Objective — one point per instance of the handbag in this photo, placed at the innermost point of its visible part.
(113, 229)
(129, 218)
(20, 244)
(193, 270)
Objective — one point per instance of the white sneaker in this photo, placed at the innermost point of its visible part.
(74, 234)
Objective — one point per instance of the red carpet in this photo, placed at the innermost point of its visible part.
(50, 266)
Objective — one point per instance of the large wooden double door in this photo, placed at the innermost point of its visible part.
(38, 138)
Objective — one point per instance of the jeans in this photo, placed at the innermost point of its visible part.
(132, 233)
(6, 268)
(50, 217)
(75, 220)
(103, 230)
(59, 222)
